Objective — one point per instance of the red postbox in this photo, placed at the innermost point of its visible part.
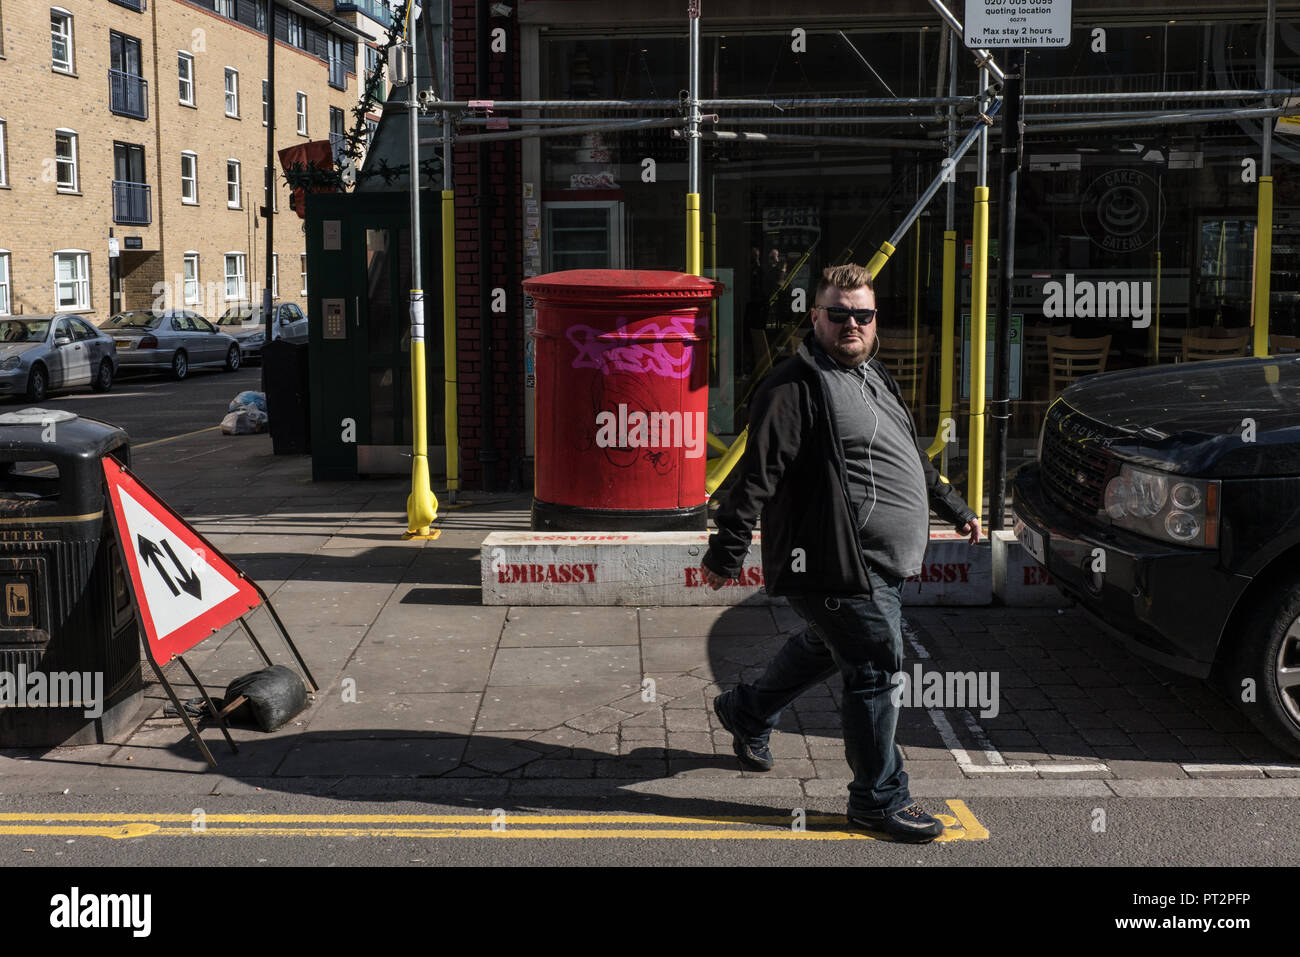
(622, 399)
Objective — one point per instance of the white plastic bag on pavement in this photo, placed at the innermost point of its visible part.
(244, 421)
(256, 400)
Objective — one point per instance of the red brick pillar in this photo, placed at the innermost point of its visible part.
(491, 412)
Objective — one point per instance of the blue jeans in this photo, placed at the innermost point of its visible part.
(861, 638)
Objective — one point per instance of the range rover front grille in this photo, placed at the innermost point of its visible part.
(1075, 463)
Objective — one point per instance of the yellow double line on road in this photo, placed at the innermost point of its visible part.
(960, 825)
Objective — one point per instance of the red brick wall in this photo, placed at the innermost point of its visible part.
(485, 408)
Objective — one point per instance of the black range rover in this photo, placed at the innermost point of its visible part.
(1166, 501)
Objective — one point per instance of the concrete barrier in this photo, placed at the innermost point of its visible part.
(954, 572)
(1018, 580)
(663, 568)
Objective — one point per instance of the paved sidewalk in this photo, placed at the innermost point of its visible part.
(425, 692)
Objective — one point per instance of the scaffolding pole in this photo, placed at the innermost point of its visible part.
(979, 271)
(1262, 286)
(694, 239)
(983, 58)
(421, 504)
(824, 140)
(945, 434)
(450, 362)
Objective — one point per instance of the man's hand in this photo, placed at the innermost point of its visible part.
(971, 528)
(711, 578)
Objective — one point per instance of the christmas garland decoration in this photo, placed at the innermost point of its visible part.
(356, 141)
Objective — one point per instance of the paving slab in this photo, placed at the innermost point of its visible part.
(539, 625)
(377, 714)
(544, 707)
(526, 667)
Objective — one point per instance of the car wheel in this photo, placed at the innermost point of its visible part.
(180, 365)
(232, 359)
(38, 384)
(1265, 682)
(104, 381)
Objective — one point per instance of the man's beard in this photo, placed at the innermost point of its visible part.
(852, 350)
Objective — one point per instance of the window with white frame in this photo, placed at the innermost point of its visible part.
(71, 279)
(232, 92)
(5, 308)
(232, 184)
(65, 160)
(191, 280)
(185, 72)
(235, 288)
(295, 31)
(266, 103)
(275, 275)
(226, 8)
(302, 113)
(61, 40)
(189, 178)
(302, 266)
(275, 199)
(4, 155)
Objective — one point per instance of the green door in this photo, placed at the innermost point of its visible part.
(359, 280)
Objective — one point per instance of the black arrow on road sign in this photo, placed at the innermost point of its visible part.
(150, 553)
(188, 579)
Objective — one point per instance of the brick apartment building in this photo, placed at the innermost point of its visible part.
(146, 122)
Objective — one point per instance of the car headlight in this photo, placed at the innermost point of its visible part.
(1169, 507)
(256, 340)
(10, 363)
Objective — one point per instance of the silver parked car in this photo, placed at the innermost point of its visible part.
(53, 351)
(247, 323)
(172, 339)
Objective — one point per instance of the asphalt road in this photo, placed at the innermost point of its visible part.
(294, 829)
(152, 406)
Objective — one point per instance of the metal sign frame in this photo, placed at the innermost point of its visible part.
(218, 715)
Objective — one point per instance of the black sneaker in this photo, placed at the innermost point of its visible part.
(910, 825)
(753, 753)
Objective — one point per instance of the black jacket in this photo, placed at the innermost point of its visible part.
(793, 473)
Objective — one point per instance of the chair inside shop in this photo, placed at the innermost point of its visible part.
(1070, 358)
(1036, 366)
(1170, 344)
(1198, 348)
(908, 361)
(1283, 345)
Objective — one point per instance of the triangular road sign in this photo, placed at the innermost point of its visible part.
(185, 589)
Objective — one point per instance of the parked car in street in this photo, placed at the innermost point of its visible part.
(1166, 502)
(174, 340)
(40, 353)
(247, 323)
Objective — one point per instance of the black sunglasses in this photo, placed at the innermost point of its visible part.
(840, 314)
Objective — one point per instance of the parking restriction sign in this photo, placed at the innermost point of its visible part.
(1017, 23)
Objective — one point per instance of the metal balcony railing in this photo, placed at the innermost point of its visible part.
(131, 203)
(128, 94)
(376, 10)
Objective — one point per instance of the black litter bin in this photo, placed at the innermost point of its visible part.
(69, 647)
(286, 383)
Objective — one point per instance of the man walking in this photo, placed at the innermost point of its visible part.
(833, 466)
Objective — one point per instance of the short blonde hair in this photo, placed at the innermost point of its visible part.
(848, 277)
